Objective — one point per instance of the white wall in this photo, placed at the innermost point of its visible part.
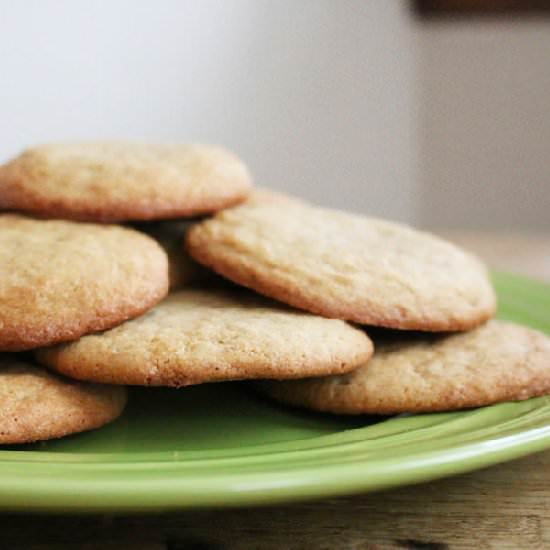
(317, 95)
(485, 124)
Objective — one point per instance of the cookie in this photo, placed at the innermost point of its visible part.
(346, 266)
(182, 269)
(60, 280)
(36, 405)
(496, 362)
(116, 181)
(206, 336)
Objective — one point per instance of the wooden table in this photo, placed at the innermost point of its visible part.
(505, 506)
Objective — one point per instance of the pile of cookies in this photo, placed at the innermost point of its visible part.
(160, 265)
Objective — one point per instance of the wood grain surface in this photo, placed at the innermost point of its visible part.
(505, 506)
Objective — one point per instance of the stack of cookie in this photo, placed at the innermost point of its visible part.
(108, 305)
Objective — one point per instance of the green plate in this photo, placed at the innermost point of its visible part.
(221, 445)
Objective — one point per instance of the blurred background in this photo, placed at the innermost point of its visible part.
(435, 113)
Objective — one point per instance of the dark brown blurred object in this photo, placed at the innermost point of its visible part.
(438, 8)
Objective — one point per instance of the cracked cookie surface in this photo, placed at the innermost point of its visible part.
(60, 280)
(206, 336)
(496, 362)
(117, 181)
(36, 404)
(346, 266)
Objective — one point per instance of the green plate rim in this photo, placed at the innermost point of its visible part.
(385, 455)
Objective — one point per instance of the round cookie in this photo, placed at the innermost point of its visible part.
(115, 181)
(37, 405)
(206, 336)
(346, 266)
(421, 373)
(60, 280)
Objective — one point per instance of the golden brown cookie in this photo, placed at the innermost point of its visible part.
(496, 362)
(115, 181)
(36, 404)
(206, 336)
(346, 266)
(60, 280)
